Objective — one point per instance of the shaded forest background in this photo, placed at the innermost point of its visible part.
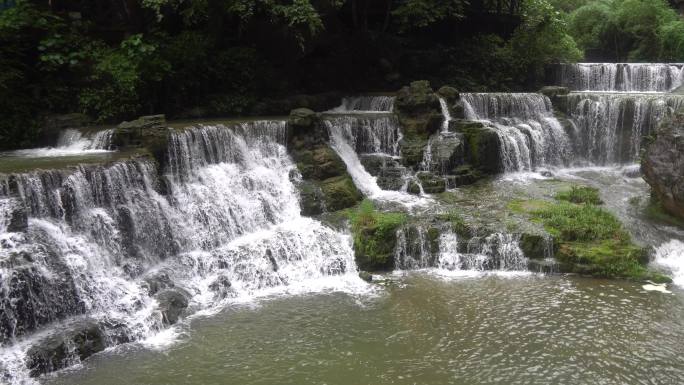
(117, 59)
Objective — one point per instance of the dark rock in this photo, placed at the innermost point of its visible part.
(149, 132)
(311, 199)
(536, 246)
(414, 188)
(222, 288)
(462, 176)
(663, 165)
(389, 173)
(483, 146)
(412, 151)
(58, 351)
(418, 109)
(546, 174)
(447, 152)
(157, 282)
(302, 117)
(431, 183)
(366, 276)
(340, 193)
(172, 304)
(320, 163)
(553, 91)
(18, 220)
(450, 94)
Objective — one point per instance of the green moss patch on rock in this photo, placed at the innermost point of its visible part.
(418, 109)
(375, 237)
(340, 193)
(589, 240)
(483, 147)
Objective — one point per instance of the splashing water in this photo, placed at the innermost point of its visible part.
(625, 77)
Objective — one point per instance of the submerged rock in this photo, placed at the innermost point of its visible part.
(663, 165)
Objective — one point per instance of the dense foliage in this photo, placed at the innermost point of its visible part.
(626, 30)
(116, 59)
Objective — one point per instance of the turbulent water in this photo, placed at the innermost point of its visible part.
(610, 126)
(106, 244)
(74, 142)
(529, 134)
(366, 104)
(630, 77)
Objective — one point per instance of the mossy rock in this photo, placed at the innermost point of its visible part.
(302, 117)
(150, 132)
(483, 147)
(320, 163)
(412, 151)
(534, 246)
(311, 199)
(340, 193)
(375, 236)
(450, 94)
(431, 183)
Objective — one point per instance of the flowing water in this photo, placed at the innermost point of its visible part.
(104, 243)
(627, 77)
(424, 329)
(366, 104)
(529, 134)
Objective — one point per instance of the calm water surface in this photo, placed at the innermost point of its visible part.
(422, 329)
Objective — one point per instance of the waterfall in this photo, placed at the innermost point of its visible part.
(369, 135)
(74, 142)
(529, 134)
(630, 77)
(366, 103)
(610, 127)
(445, 112)
(670, 255)
(497, 251)
(107, 246)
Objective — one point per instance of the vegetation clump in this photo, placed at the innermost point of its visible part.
(588, 239)
(374, 235)
(580, 195)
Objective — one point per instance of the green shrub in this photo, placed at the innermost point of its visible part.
(581, 195)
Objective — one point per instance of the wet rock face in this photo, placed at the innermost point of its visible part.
(60, 350)
(418, 109)
(663, 165)
(172, 304)
(389, 172)
(149, 132)
(325, 183)
(483, 146)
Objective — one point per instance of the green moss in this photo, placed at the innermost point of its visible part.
(340, 193)
(580, 195)
(590, 240)
(374, 235)
(458, 224)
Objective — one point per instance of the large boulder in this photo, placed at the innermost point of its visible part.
(340, 193)
(58, 351)
(418, 109)
(663, 165)
(450, 94)
(482, 146)
(150, 132)
(448, 152)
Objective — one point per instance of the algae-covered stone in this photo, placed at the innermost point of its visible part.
(172, 304)
(302, 117)
(483, 146)
(535, 246)
(150, 132)
(418, 109)
(320, 163)
(311, 199)
(412, 151)
(340, 193)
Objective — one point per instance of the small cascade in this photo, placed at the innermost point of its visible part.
(73, 142)
(497, 251)
(529, 134)
(366, 104)
(610, 126)
(368, 135)
(117, 253)
(445, 112)
(626, 77)
(670, 255)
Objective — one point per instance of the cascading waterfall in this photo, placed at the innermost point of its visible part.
(108, 251)
(529, 134)
(610, 126)
(368, 135)
(498, 251)
(628, 77)
(366, 103)
(445, 113)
